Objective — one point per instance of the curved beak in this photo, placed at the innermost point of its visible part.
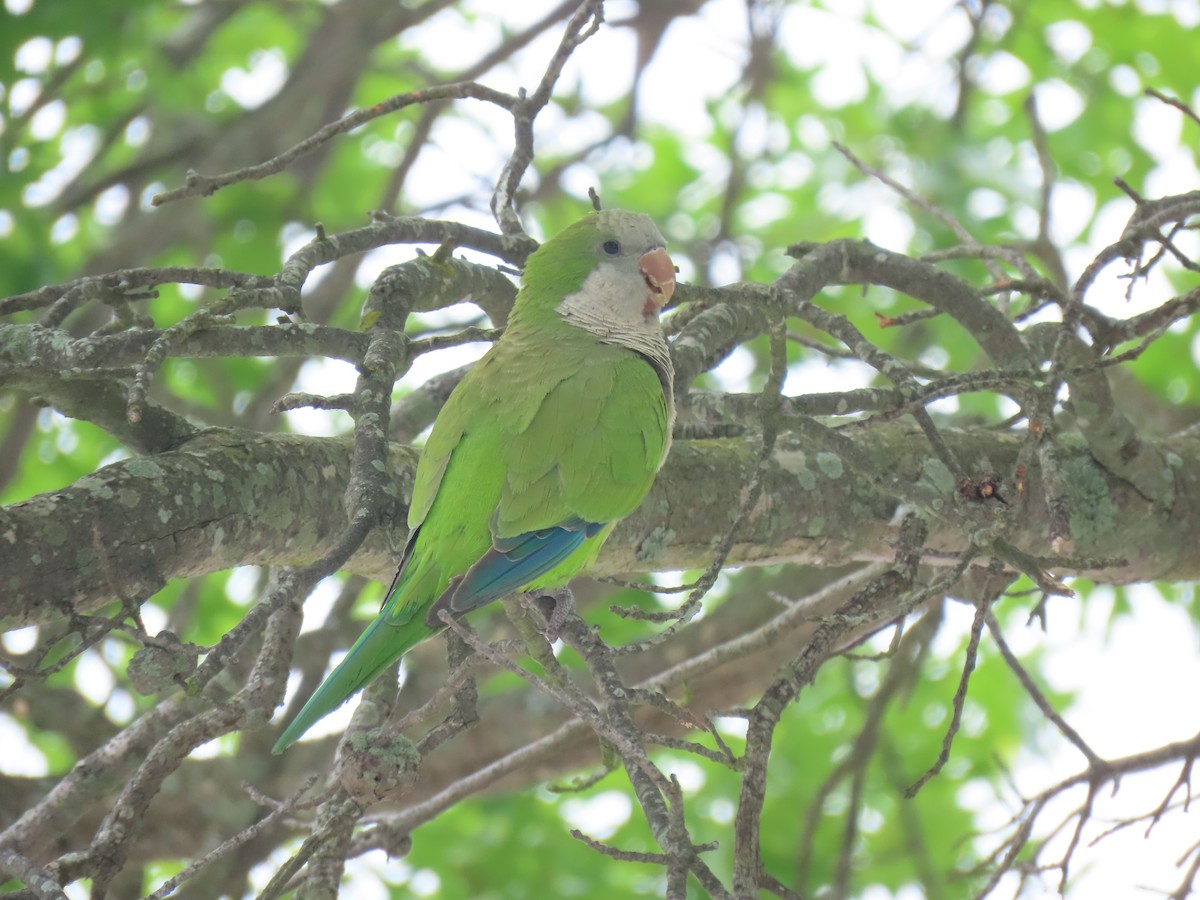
(658, 270)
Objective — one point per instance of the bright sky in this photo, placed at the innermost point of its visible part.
(1118, 675)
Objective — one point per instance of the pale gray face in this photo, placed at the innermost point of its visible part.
(635, 230)
(633, 278)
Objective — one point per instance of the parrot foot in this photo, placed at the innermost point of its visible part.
(561, 604)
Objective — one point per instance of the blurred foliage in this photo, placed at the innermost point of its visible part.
(106, 103)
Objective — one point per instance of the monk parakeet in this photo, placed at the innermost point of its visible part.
(554, 435)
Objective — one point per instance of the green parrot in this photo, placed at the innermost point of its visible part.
(554, 435)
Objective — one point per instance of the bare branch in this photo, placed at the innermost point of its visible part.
(197, 185)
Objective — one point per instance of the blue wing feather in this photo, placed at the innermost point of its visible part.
(515, 561)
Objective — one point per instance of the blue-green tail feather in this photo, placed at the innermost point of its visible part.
(377, 647)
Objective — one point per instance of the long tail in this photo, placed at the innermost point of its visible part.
(382, 643)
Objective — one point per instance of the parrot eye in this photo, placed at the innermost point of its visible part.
(612, 248)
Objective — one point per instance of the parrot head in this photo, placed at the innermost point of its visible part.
(608, 273)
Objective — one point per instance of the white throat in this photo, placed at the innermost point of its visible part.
(611, 306)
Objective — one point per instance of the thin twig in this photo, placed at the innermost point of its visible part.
(197, 185)
(960, 698)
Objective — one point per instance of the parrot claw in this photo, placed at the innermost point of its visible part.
(561, 604)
